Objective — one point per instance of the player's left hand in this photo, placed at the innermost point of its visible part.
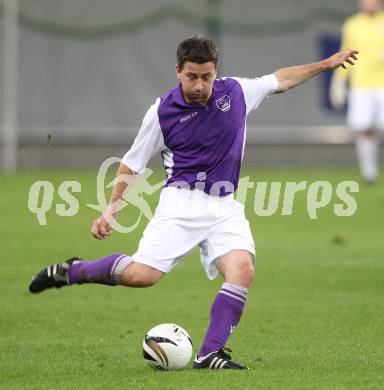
(340, 58)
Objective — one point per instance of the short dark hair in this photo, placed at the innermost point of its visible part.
(199, 50)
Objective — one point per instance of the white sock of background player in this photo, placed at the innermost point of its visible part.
(367, 154)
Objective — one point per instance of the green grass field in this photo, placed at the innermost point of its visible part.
(314, 318)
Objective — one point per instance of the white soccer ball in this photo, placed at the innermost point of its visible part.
(167, 347)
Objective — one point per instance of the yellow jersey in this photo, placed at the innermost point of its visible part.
(364, 33)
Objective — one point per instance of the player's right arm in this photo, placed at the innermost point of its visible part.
(148, 142)
(101, 228)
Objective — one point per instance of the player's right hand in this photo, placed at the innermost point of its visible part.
(101, 228)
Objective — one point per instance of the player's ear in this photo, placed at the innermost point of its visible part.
(178, 72)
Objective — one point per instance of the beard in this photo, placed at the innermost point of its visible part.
(200, 98)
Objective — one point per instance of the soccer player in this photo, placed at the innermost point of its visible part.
(199, 127)
(366, 93)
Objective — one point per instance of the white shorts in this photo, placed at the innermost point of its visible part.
(366, 110)
(185, 219)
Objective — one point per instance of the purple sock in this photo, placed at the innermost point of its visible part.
(226, 312)
(107, 270)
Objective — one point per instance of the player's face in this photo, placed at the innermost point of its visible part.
(370, 6)
(197, 81)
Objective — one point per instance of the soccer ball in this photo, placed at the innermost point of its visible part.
(167, 347)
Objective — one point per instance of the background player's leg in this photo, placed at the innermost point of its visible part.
(367, 154)
(227, 308)
(363, 116)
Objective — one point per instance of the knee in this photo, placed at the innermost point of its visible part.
(139, 275)
(247, 271)
(239, 270)
(141, 281)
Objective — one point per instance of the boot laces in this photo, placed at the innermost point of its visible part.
(225, 352)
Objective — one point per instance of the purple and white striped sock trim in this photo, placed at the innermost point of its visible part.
(234, 291)
(120, 265)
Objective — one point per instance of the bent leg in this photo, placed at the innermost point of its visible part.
(110, 270)
(113, 270)
(140, 275)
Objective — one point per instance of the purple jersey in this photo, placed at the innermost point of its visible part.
(202, 146)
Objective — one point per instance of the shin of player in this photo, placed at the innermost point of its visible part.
(227, 308)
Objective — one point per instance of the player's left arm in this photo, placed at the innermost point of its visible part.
(295, 75)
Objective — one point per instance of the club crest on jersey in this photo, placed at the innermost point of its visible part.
(224, 103)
